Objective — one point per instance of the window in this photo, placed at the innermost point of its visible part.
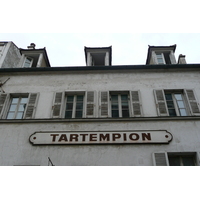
(181, 160)
(120, 104)
(163, 58)
(176, 102)
(18, 106)
(176, 158)
(74, 106)
(77, 104)
(28, 62)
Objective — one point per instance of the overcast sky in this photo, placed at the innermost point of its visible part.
(65, 27)
(67, 49)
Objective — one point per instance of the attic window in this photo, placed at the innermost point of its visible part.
(28, 62)
(98, 59)
(163, 58)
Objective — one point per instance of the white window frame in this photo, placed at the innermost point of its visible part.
(19, 97)
(177, 109)
(74, 104)
(162, 56)
(120, 103)
(31, 63)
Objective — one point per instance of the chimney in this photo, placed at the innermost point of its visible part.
(181, 59)
(32, 46)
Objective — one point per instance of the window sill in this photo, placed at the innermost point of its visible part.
(186, 118)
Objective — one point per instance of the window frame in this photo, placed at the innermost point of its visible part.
(176, 106)
(31, 105)
(31, 63)
(119, 95)
(75, 94)
(162, 158)
(189, 97)
(17, 106)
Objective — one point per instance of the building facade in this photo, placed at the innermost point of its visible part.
(99, 114)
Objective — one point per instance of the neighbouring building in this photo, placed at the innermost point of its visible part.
(98, 114)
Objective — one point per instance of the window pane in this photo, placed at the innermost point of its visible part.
(114, 98)
(68, 114)
(178, 96)
(80, 98)
(183, 112)
(168, 96)
(69, 106)
(124, 97)
(70, 98)
(115, 113)
(10, 115)
(79, 106)
(125, 113)
(21, 107)
(174, 161)
(172, 112)
(19, 115)
(79, 114)
(24, 100)
(180, 104)
(13, 107)
(188, 160)
(15, 100)
(170, 104)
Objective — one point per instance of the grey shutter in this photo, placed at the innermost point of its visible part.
(31, 106)
(4, 98)
(104, 99)
(90, 104)
(57, 105)
(160, 159)
(136, 103)
(198, 158)
(194, 108)
(161, 103)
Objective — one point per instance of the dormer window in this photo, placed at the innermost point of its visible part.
(98, 56)
(161, 55)
(163, 58)
(28, 62)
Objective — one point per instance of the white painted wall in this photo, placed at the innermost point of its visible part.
(15, 148)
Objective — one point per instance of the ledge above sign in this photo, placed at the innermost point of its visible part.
(101, 137)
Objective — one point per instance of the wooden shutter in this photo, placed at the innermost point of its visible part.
(194, 107)
(90, 104)
(160, 159)
(104, 99)
(161, 103)
(29, 112)
(57, 105)
(136, 103)
(4, 98)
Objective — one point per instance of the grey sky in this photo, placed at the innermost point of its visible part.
(67, 49)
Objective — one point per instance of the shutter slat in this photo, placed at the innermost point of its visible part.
(160, 103)
(56, 108)
(31, 106)
(90, 104)
(192, 102)
(136, 103)
(161, 159)
(104, 104)
(3, 100)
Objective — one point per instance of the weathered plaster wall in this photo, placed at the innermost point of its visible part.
(15, 148)
(12, 58)
(145, 82)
